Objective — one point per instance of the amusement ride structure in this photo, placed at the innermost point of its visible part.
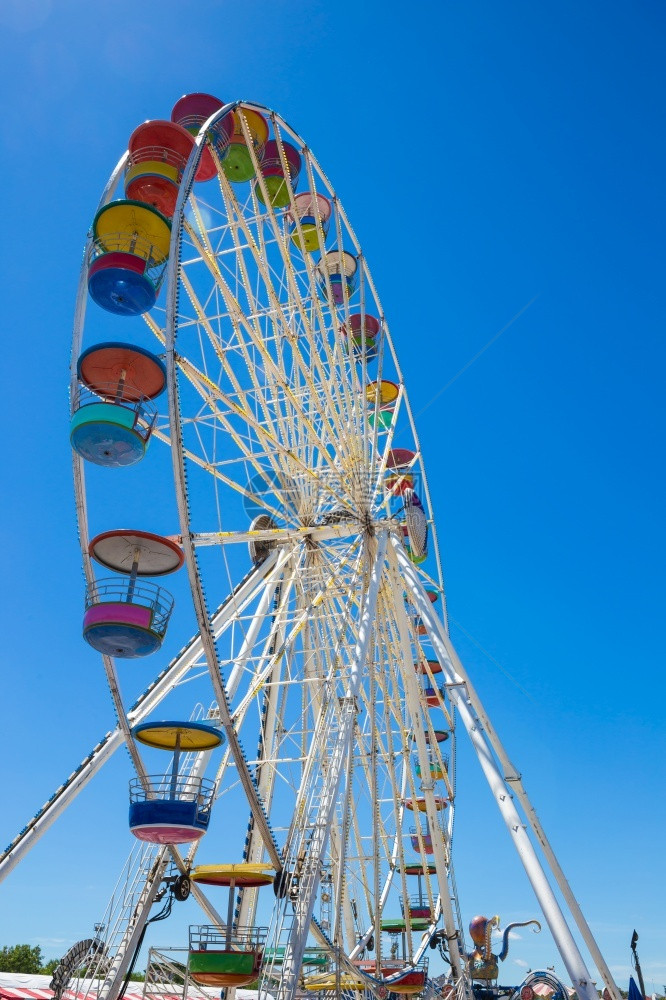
(266, 368)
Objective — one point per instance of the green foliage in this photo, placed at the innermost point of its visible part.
(21, 958)
(50, 967)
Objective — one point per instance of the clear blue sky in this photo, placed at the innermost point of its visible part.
(489, 155)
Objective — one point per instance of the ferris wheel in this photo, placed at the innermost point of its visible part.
(252, 345)
(291, 436)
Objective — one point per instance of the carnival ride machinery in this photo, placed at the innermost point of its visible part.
(243, 311)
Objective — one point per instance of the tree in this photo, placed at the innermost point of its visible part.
(50, 967)
(21, 958)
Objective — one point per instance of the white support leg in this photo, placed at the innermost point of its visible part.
(513, 778)
(114, 979)
(459, 695)
(413, 696)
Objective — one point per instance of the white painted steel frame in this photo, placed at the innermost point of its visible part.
(166, 682)
(440, 852)
(178, 453)
(304, 905)
(471, 712)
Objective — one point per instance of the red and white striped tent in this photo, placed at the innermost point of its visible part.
(544, 990)
(17, 986)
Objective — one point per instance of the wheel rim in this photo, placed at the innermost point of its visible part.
(268, 416)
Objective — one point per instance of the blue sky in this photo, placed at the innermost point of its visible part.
(491, 157)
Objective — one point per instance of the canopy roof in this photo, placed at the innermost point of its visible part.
(18, 986)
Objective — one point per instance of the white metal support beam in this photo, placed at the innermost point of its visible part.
(461, 697)
(442, 862)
